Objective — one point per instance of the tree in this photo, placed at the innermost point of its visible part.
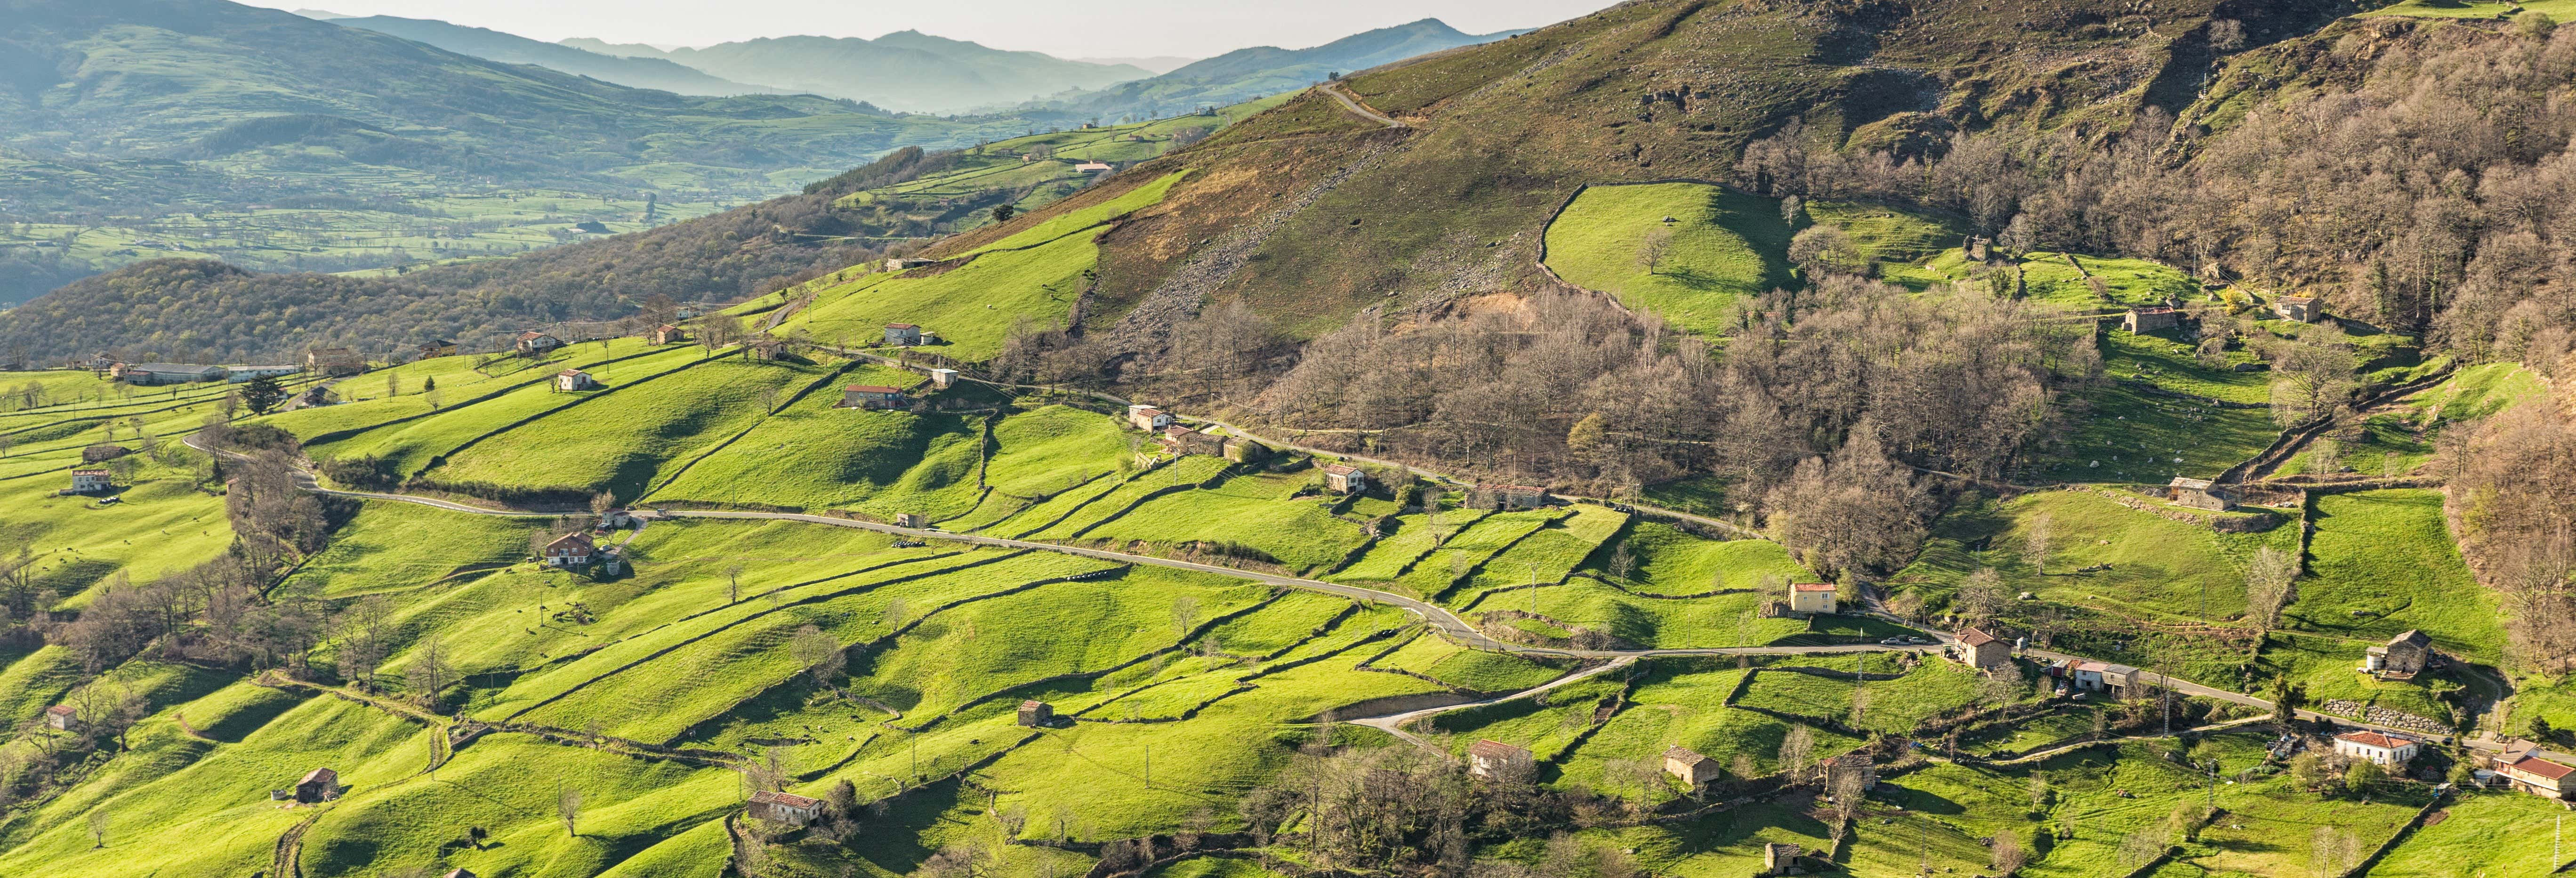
(1981, 596)
(429, 672)
(2034, 543)
(2141, 846)
(568, 807)
(2020, 236)
(1004, 212)
(819, 653)
(2039, 796)
(365, 632)
(1651, 252)
(2363, 775)
(262, 394)
(1822, 249)
(1792, 209)
(2307, 771)
(2269, 586)
(733, 584)
(1796, 748)
(1185, 614)
(2008, 855)
(98, 827)
(2335, 850)
(1848, 794)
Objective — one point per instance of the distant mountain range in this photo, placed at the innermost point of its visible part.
(638, 72)
(1245, 74)
(906, 70)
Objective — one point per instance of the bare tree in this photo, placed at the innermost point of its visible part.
(819, 653)
(1185, 614)
(1981, 596)
(733, 584)
(2270, 586)
(568, 807)
(1657, 245)
(1796, 749)
(2008, 855)
(429, 672)
(2035, 543)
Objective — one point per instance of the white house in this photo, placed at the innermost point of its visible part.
(2388, 750)
(1812, 597)
(91, 481)
(1344, 479)
(570, 550)
(570, 380)
(942, 379)
(1148, 418)
(1489, 758)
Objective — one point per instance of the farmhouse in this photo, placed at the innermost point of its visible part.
(334, 361)
(1854, 762)
(1983, 651)
(1495, 760)
(436, 348)
(242, 374)
(2524, 769)
(1694, 770)
(901, 264)
(911, 519)
(871, 396)
(1344, 479)
(616, 518)
(2096, 676)
(2150, 318)
(1506, 497)
(1781, 859)
(665, 334)
(166, 373)
(765, 348)
(1148, 418)
(101, 362)
(90, 481)
(1183, 440)
(2389, 750)
(2200, 494)
(62, 717)
(902, 335)
(1812, 597)
(2402, 658)
(533, 343)
(1036, 714)
(570, 380)
(942, 379)
(97, 453)
(318, 785)
(787, 808)
(2299, 308)
(570, 550)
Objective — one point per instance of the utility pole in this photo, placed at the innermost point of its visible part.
(1149, 766)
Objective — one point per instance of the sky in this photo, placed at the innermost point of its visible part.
(1092, 29)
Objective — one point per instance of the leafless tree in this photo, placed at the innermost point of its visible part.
(2270, 586)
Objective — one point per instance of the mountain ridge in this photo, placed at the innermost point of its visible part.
(905, 70)
(493, 45)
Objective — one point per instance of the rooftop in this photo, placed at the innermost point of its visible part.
(791, 800)
(1340, 469)
(871, 388)
(2542, 767)
(1974, 637)
(1812, 586)
(1489, 747)
(2192, 484)
(324, 775)
(901, 326)
(2368, 738)
(1687, 755)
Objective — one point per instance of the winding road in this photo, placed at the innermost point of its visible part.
(1353, 104)
(1441, 619)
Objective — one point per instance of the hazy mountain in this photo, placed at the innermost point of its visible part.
(640, 72)
(1244, 74)
(1159, 64)
(906, 70)
(322, 14)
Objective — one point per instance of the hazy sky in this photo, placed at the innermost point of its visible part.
(1096, 28)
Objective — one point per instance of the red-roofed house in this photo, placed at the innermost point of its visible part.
(2388, 750)
(1812, 597)
(1148, 418)
(570, 380)
(532, 343)
(571, 550)
(1492, 759)
(787, 808)
(1981, 650)
(902, 335)
(2532, 774)
(62, 717)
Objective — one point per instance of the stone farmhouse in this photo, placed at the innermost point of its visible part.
(1036, 714)
(1983, 651)
(318, 785)
(1782, 859)
(62, 717)
(2200, 494)
(101, 453)
(571, 551)
(1491, 759)
(1690, 767)
(1813, 597)
(573, 380)
(2150, 318)
(2299, 308)
(436, 348)
(1183, 440)
(334, 362)
(1854, 762)
(2405, 656)
(784, 808)
(665, 334)
(1344, 479)
(902, 335)
(2390, 750)
(1506, 497)
(871, 396)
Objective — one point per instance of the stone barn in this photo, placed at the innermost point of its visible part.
(62, 717)
(665, 334)
(871, 396)
(1491, 759)
(1036, 714)
(2299, 308)
(1506, 497)
(1693, 769)
(2150, 318)
(1344, 479)
(2200, 494)
(2405, 656)
(1781, 859)
(318, 785)
(902, 335)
